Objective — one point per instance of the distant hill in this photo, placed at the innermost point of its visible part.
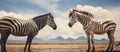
(81, 38)
(101, 40)
(70, 39)
(61, 39)
(35, 39)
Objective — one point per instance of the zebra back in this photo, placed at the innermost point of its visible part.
(17, 26)
(85, 13)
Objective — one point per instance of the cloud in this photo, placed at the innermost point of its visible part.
(98, 12)
(46, 4)
(50, 5)
(4, 13)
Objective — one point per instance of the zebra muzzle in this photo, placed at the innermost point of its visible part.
(70, 25)
(55, 27)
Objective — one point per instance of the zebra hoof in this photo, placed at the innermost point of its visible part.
(107, 50)
(110, 51)
(29, 50)
(88, 50)
(93, 50)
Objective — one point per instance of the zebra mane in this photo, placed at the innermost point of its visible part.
(41, 16)
(41, 20)
(85, 13)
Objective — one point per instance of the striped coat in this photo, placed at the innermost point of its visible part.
(92, 26)
(97, 26)
(100, 27)
(18, 27)
(29, 28)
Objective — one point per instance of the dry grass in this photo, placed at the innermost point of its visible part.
(36, 47)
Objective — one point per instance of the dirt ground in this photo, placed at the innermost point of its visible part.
(58, 48)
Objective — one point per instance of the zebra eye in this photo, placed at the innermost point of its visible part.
(72, 17)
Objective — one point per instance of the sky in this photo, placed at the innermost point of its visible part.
(26, 9)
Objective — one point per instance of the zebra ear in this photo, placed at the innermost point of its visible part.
(52, 13)
(74, 9)
(70, 10)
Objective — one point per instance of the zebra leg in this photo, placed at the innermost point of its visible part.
(88, 39)
(4, 37)
(26, 44)
(92, 40)
(29, 44)
(110, 41)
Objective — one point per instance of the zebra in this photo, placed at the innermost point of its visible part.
(92, 26)
(30, 27)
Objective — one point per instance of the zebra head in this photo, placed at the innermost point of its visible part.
(51, 22)
(72, 19)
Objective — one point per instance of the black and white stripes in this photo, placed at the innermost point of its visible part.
(17, 27)
(92, 26)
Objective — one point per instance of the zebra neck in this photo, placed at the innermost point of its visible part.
(40, 22)
(84, 20)
(41, 25)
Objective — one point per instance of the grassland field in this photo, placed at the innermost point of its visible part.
(58, 47)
